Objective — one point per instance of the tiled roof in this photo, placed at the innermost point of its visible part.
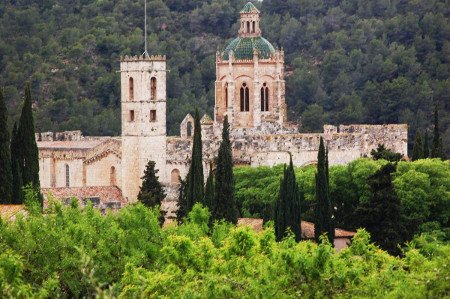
(307, 228)
(249, 7)
(243, 48)
(99, 195)
(9, 212)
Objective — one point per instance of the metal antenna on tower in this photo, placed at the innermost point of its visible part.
(145, 29)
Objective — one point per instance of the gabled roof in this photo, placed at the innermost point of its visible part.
(206, 120)
(249, 7)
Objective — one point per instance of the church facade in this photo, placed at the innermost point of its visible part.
(249, 90)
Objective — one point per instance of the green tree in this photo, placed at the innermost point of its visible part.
(224, 206)
(195, 180)
(17, 182)
(6, 180)
(182, 200)
(28, 155)
(380, 215)
(418, 148)
(151, 193)
(288, 206)
(208, 199)
(322, 208)
(383, 153)
(426, 148)
(436, 148)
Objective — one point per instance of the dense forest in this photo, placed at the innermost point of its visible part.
(350, 61)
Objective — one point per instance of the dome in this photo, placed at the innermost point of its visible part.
(243, 48)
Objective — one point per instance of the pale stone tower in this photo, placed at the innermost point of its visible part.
(250, 82)
(143, 104)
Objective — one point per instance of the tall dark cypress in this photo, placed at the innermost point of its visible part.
(28, 151)
(224, 206)
(380, 215)
(322, 209)
(426, 147)
(6, 180)
(208, 199)
(17, 193)
(182, 200)
(436, 148)
(288, 206)
(417, 148)
(196, 180)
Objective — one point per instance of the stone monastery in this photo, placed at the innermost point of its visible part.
(249, 89)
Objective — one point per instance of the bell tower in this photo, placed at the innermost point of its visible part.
(143, 104)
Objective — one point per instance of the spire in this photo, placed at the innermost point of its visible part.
(249, 21)
(145, 29)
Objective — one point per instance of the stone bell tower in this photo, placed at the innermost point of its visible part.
(143, 104)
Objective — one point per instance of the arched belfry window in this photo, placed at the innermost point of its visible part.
(153, 88)
(67, 176)
(245, 97)
(131, 89)
(253, 27)
(226, 95)
(248, 26)
(189, 129)
(264, 98)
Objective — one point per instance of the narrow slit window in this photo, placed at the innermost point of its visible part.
(152, 115)
(131, 116)
(153, 88)
(67, 176)
(131, 89)
(264, 98)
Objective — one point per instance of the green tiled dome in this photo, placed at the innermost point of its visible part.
(243, 47)
(249, 7)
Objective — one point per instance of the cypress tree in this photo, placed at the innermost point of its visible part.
(426, 148)
(182, 200)
(322, 209)
(209, 189)
(6, 180)
(224, 206)
(436, 148)
(151, 193)
(417, 148)
(17, 183)
(288, 206)
(195, 182)
(28, 155)
(380, 214)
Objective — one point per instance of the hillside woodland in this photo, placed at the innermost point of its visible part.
(350, 61)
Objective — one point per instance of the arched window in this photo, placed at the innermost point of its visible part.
(248, 27)
(253, 27)
(245, 98)
(112, 176)
(131, 89)
(67, 176)
(175, 176)
(189, 129)
(264, 98)
(153, 88)
(226, 95)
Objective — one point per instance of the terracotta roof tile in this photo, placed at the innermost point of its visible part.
(9, 212)
(97, 194)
